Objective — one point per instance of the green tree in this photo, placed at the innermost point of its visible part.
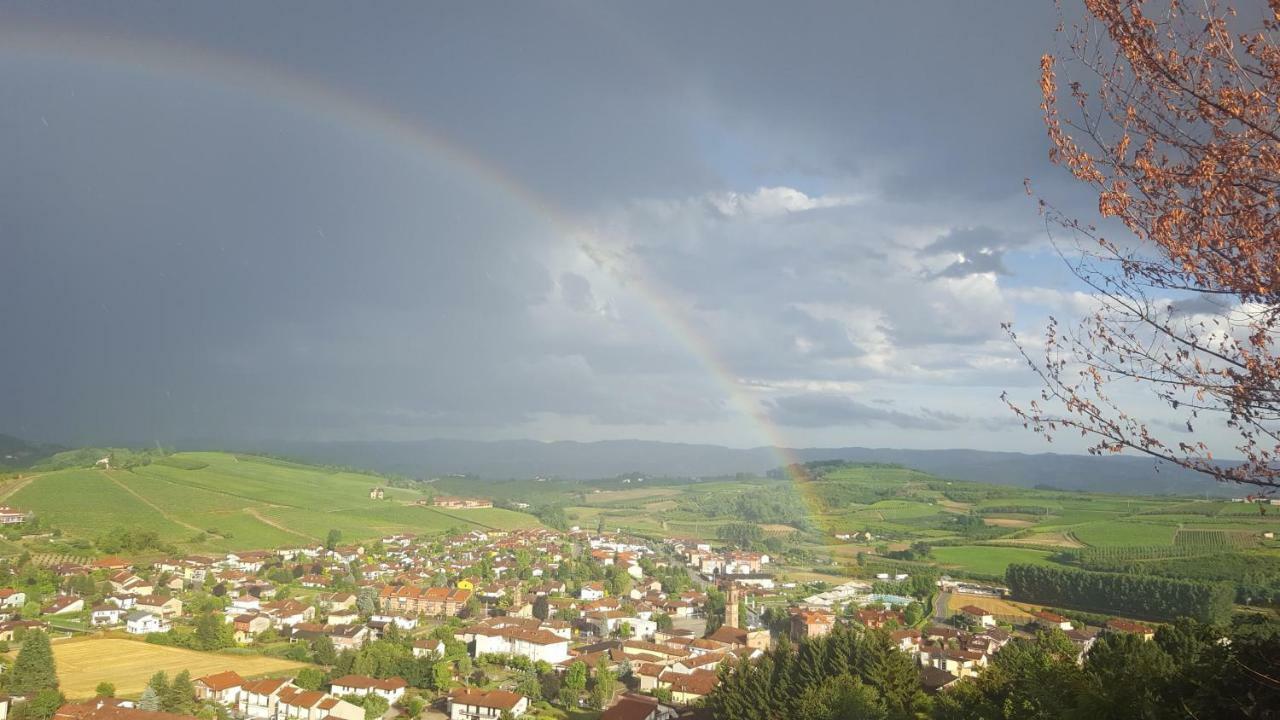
(34, 669)
(150, 699)
(105, 689)
(375, 706)
(332, 539)
(913, 614)
(181, 697)
(1126, 676)
(309, 678)
(212, 633)
(41, 707)
(323, 651)
(575, 682)
(742, 534)
(1034, 679)
(602, 691)
(839, 697)
(441, 675)
(413, 706)
(367, 601)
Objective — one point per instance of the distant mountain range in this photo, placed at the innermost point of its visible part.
(576, 460)
(503, 459)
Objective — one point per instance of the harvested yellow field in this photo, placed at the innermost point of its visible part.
(82, 664)
(1007, 522)
(995, 606)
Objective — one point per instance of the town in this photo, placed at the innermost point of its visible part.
(483, 624)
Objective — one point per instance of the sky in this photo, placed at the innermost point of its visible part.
(733, 223)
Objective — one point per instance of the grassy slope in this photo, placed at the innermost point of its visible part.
(987, 560)
(249, 502)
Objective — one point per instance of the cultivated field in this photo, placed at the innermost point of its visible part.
(1001, 609)
(985, 559)
(218, 501)
(82, 664)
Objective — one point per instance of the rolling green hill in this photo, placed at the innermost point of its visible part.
(219, 501)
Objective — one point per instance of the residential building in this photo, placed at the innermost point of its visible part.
(475, 704)
(391, 689)
(140, 622)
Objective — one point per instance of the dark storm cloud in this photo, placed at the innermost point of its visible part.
(185, 251)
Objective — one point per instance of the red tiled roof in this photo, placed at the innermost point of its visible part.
(108, 710)
(221, 681)
(497, 699)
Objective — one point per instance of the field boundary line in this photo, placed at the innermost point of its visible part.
(253, 511)
(257, 501)
(20, 484)
(163, 513)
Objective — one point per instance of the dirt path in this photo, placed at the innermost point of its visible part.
(18, 485)
(150, 504)
(253, 512)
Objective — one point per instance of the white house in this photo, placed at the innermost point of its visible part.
(141, 623)
(223, 688)
(423, 648)
(391, 689)
(295, 703)
(260, 698)
(591, 591)
(403, 622)
(533, 644)
(106, 614)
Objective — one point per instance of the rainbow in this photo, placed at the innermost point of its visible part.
(360, 115)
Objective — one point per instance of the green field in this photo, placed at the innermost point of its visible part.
(986, 560)
(1114, 533)
(219, 501)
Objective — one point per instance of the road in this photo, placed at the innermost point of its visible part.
(940, 610)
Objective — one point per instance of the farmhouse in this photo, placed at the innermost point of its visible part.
(10, 516)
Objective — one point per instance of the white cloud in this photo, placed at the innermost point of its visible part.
(773, 201)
